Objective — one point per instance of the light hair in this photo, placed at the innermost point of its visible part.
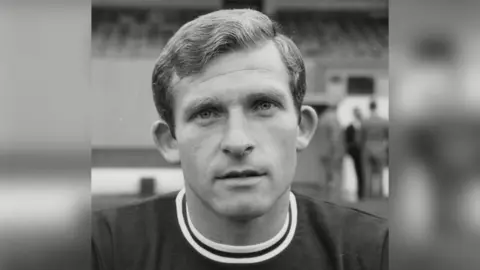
(200, 41)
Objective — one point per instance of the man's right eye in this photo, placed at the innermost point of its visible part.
(206, 114)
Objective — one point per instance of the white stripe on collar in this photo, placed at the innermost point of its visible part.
(237, 249)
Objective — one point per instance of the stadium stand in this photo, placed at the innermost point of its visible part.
(142, 32)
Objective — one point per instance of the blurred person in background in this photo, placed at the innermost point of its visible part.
(332, 157)
(229, 88)
(354, 149)
(374, 142)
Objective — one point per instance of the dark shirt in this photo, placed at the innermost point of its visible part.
(156, 234)
(352, 137)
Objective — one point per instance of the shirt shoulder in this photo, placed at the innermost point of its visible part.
(120, 232)
(354, 237)
(139, 212)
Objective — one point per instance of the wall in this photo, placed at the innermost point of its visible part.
(122, 106)
(320, 68)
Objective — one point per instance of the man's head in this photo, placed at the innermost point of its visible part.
(229, 88)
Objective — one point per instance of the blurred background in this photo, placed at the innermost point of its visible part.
(345, 48)
(50, 122)
(435, 146)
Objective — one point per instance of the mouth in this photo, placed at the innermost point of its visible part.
(241, 174)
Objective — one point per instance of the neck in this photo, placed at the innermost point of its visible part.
(230, 231)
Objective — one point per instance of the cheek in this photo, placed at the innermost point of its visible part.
(282, 144)
(196, 150)
(286, 130)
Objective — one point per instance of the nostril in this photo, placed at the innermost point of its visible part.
(247, 150)
(238, 150)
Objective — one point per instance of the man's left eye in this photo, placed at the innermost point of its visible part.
(264, 105)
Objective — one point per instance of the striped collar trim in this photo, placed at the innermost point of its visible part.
(236, 254)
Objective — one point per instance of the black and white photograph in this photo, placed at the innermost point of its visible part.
(233, 134)
(239, 134)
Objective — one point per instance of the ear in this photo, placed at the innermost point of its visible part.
(307, 127)
(165, 142)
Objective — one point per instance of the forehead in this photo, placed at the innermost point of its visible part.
(235, 74)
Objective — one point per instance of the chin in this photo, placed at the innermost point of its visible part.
(242, 209)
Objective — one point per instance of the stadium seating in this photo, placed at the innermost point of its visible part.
(142, 33)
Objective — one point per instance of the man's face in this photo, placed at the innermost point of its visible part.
(236, 131)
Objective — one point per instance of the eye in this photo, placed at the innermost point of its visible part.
(264, 105)
(206, 114)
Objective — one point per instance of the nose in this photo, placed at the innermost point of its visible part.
(236, 141)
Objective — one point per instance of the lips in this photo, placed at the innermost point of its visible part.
(241, 174)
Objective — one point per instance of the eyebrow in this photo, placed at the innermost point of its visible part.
(202, 103)
(267, 94)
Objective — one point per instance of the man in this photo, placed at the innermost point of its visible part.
(375, 150)
(354, 149)
(332, 157)
(229, 87)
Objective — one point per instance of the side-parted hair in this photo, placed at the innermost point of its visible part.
(200, 41)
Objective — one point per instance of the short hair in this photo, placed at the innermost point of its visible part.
(373, 105)
(201, 40)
